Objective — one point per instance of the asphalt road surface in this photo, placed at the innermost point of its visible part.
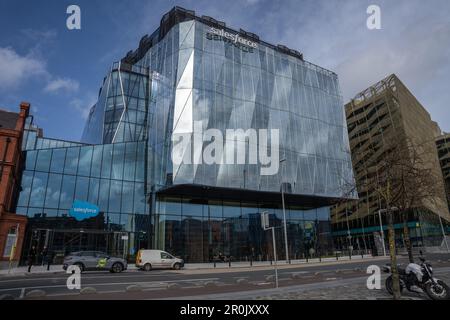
(159, 284)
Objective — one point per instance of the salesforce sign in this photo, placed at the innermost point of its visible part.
(82, 210)
(232, 38)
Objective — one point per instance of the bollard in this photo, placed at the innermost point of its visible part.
(350, 255)
(229, 263)
(337, 257)
(251, 262)
(270, 261)
(214, 264)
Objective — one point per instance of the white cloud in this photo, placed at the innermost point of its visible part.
(16, 68)
(83, 105)
(62, 84)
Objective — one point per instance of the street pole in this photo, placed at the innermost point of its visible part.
(265, 226)
(284, 214)
(13, 249)
(275, 257)
(382, 233)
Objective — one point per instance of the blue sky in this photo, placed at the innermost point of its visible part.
(60, 71)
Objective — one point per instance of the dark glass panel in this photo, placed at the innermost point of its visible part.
(139, 198)
(231, 209)
(190, 208)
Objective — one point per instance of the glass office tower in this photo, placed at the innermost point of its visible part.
(194, 72)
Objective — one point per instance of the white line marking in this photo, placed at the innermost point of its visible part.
(111, 284)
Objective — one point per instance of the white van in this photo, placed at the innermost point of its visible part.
(149, 259)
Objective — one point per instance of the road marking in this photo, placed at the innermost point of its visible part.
(84, 277)
(111, 284)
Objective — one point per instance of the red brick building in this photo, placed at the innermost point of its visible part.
(11, 132)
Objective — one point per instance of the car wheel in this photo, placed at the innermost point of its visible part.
(177, 266)
(79, 265)
(117, 267)
(147, 267)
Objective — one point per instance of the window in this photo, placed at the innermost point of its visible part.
(71, 164)
(53, 190)
(165, 255)
(114, 196)
(106, 162)
(30, 159)
(127, 197)
(43, 160)
(58, 158)
(117, 161)
(38, 189)
(94, 184)
(84, 165)
(27, 179)
(129, 161)
(96, 161)
(81, 191)
(87, 254)
(67, 191)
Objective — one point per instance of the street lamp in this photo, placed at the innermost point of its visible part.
(284, 213)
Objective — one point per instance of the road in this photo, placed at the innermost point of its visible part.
(160, 284)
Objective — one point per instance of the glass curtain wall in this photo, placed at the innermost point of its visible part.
(199, 230)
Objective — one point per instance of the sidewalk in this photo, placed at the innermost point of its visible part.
(219, 266)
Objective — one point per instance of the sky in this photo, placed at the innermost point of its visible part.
(60, 71)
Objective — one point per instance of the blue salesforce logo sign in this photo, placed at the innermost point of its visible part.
(82, 210)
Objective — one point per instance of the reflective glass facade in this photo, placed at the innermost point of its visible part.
(189, 75)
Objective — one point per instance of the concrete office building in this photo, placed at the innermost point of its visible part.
(192, 77)
(388, 112)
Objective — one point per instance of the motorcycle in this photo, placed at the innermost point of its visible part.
(419, 278)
